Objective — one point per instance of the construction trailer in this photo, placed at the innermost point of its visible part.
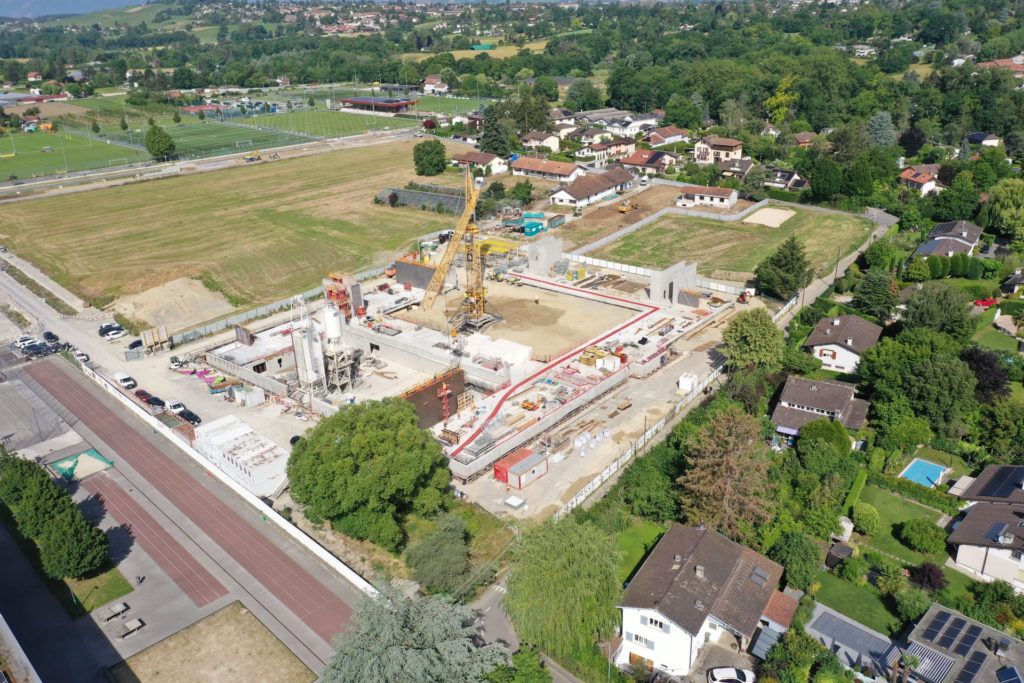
(520, 468)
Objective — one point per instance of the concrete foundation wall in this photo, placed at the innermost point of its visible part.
(666, 284)
(543, 254)
(416, 274)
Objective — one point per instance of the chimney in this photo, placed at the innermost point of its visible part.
(849, 341)
(677, 562)
(699, 570)
(835, 321)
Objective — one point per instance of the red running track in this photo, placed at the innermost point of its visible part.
(192, 577)
(320, 609)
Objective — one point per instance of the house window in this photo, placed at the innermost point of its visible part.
(1016, 554)
(649, 644)
(259, 367)
(660, 625)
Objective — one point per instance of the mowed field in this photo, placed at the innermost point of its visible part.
(24, 155)
(325, 124)
(733, 250)
(499, 52)
(263, 231)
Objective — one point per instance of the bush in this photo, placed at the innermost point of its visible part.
(911, 603)
(855, 570)
(800, 556)
(866, 519)
(892, 580)
(441, 560)
(853, 497)
(922, 536)
(930, 576)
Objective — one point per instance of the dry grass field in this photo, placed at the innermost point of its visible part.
(228, 646)
(499, 52)
(732, 250)
(260, 231)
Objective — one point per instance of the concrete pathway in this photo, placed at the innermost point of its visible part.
(43, 279)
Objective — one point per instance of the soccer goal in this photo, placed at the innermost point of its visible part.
(243, 143)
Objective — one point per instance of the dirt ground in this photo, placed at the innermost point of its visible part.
(227, 646)
(49, 109)
(179, 304)
(551, 323)
(772, 218)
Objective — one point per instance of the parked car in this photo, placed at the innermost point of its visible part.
(156, 402)
(175, 406)
(727, 674)
(107, 327)
(985, 303)
(115, 334)
(124, 380)
(190, 417)
(50, 337)
(22, 342)
(81, 356)
(143, 395)
(137, 344)
(38, 351)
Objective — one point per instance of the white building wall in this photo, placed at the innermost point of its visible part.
(835, 357)
(266, 479)
(672, 650)
(992, 563)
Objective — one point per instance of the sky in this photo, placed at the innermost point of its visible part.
(36, 8)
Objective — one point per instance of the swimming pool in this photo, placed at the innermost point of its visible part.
(924, 472)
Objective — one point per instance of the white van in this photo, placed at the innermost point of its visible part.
(125, 381)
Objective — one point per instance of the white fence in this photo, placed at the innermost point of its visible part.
(610, 265)
(786, 308)
(266, 511)
(638, 445)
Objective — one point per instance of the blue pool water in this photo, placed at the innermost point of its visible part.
(923, 472)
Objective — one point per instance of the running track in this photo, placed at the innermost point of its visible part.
(320, 609)
(184, 570)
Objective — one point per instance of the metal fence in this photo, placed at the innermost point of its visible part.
(421, 199)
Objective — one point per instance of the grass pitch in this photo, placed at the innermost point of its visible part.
(325, 124)
(733, 250)
(262, 231)
(25, 155)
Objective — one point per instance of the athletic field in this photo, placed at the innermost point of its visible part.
(324, 124)
(25, 155)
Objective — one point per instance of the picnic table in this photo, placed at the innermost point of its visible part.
(116, 611)
(130, 627)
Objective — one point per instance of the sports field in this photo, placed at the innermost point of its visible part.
(262, 231)
(733, 250)
(39, 154)
(499, 52)
(325, 124)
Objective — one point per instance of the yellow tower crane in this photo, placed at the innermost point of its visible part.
(473, 310)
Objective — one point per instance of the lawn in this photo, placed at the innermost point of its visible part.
(322, 123)
(733, 250)
(488, 535)
(499, 52)
(99, 590)
(860, 604)
(893, 510)
(954, 462)
(633, 545)
(25, 155)
(263, 231)
(988, 336)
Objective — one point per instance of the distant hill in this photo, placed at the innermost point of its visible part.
(40, 8)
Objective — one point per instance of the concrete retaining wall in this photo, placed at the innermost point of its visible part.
(247, 375)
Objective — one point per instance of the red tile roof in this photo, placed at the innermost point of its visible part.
(561, 168)
(781, 608)
(916, 177)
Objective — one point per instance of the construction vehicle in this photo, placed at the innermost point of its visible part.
(253, 156)
(743, 298)
(627, 205)
(391, 271)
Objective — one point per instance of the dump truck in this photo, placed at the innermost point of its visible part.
(253, 156)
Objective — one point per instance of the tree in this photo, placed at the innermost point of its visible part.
(753, 182)
(831, 432)
(429, 157)
(921, 535)
(866, 519)
(311, 102)
(546, 87)
(583, 95)
(395, 638)
(987, 366)
(941, 308)
(40, 502)
(646, 488)
(201, 115)
(752, 339)
(881, 255)
(70, 547)
(875, 294)
(498, 136)
(826, 178)
(725, 485)
(124, 123)
(366, 467)
(918, 270)
(526, 667)
(781, 103)
(785, 272)
(682, 111)
(959, 201)
(799, 556)
(882, 130)
(857, 178)
(574, 561)
(441, 560)
(522, 192)
(95, 128)
(1006, 207)
(1002, 423)
(911, 603)
(930, 576)
(177, 117)
(158, 143)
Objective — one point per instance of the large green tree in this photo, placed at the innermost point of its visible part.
(563, 587)
(785, 272)
(441, 560)
(1006, 207)
(368, 466)
(942, 308)
(158, 143)
(70, 547)
(800, 557)
(682, 111)
(583, 95)
(421, 640)
(429, 157)
(959, 201)
(875, 294)
(882, 130)
(752, 339)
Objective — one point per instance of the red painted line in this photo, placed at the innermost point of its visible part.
(193, 579)
(547, 368)
(322, 610)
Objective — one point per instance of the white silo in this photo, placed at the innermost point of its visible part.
(309, 356)
(332, 324)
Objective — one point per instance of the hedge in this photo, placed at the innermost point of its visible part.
(940, 500)
(853, 497)
(784, 195)
(1014, 307)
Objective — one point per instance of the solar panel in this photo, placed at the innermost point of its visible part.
(1003, 483)
(938, 622)
(952, 632)
(1009, 674)
(972, 668)
(968, 641)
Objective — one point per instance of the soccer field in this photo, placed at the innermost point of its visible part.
(733, 250)
(325, 124)
(25, 155)
(262, 231)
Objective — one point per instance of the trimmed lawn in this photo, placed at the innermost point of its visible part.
(323, 124)
(634, 543)
(894, 510)
(988, 336)
(858, 603)
(955, 462)
(25, 155)
(99, 590)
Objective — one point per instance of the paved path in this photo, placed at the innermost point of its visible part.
(43, 279)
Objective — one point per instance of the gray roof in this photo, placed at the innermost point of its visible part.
(997, 484)
(834, 397)
(991, 525)
(589, 185)
(943, 247)
(693, 573)
(851, 332)
(960, 230)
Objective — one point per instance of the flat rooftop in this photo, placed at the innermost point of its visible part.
(268, 344)
(242, 443)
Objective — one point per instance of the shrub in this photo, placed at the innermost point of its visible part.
(441, 560)
(892, 580)
(930, 576)
(800, 556)
(922, 536)
(866, 519)
(855, 570)
(853, 497)
(911, 603)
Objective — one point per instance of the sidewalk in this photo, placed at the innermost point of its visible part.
(44, 280)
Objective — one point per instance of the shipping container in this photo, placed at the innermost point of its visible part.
(520, 467)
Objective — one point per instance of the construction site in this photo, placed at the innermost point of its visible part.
(533, 370)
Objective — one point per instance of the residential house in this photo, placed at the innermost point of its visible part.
(283, 81)
(923, 182)
(697, 587)
(600, 153)
(561, 115)
(805, 400)
(588, 189)
(989, 542)
(712, 149)
(491, 163)
(839, 341)
(33, 77)
(564, 130)
(1014, 65)
(595, 116)
(735, 168)
(649, 161)
(666, 135)
(76, 75)
(984, 139)
(589, 136)
(1013, 283)
(433, 84)
(864, 51)
(784, 179)
(536, 139)
(561, 171)
(632, 125)
(853, 643)
(770, 131)
(805, 139)
(702, 195)
(953, 237)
